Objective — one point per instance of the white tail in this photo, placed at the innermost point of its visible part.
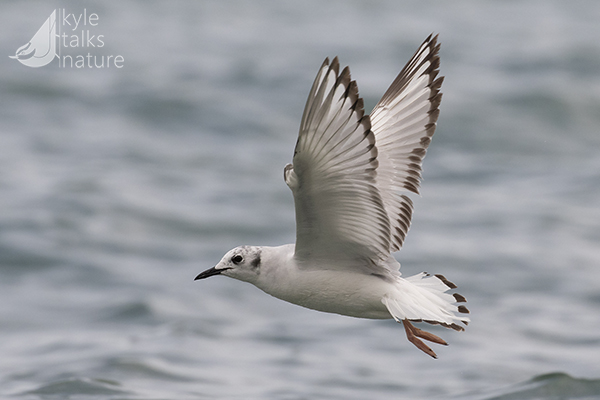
(423, 297)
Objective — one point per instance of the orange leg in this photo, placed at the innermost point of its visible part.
(413, 334)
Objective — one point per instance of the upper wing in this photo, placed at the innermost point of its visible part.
(350, 171)
(403, 122)
(340, 214)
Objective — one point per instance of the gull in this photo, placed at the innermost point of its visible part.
(350, 176)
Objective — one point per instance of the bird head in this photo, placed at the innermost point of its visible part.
(242, 263)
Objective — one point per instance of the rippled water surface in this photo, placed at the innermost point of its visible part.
(119, 185)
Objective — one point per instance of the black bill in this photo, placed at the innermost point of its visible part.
(210, 272)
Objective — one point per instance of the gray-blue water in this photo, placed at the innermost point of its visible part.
(119, 185)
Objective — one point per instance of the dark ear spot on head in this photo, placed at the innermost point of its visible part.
(256, 262)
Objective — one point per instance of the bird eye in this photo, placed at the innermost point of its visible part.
(237, 259)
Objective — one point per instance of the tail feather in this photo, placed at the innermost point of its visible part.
(423, 297)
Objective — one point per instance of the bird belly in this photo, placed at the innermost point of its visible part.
(346, 293)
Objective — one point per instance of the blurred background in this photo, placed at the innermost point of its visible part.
(119, 185)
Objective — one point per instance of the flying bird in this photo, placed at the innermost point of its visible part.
(350, 176)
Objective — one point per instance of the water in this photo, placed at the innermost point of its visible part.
(118, 186)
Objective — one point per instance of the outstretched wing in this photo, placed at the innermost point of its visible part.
(403, 123)
(351, 172)
(340, 214)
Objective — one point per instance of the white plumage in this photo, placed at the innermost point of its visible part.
(350, 176)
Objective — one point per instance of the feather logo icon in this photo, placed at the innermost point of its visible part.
(41, 49)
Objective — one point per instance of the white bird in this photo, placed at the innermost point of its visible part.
(349, 177)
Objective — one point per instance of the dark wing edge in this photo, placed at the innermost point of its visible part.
(333, 176)
(404, 122)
